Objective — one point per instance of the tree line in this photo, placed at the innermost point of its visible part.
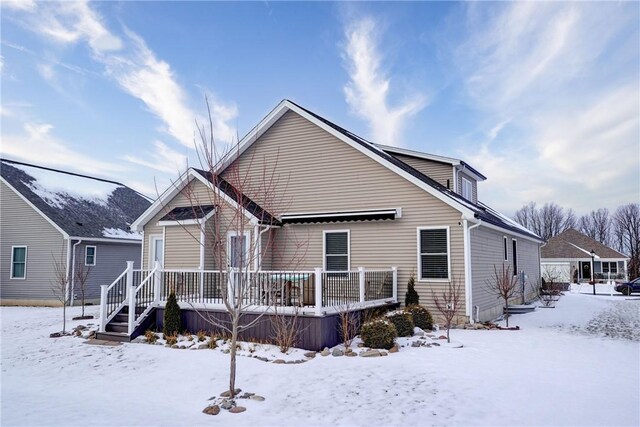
(619, 230)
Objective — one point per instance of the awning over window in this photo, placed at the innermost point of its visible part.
(188, 213)
(343, 216)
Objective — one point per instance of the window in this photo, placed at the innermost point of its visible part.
(467, 189)
(336, 250)
(433, 256)
(506, 248)
(18, 262)
(609, 267)
(90, 255)
(514, 250)
(238, 246)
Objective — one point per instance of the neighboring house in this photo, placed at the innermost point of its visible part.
(567, 258)
(359, 207)
(54, 219)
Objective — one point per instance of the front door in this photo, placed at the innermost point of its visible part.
(586, 270)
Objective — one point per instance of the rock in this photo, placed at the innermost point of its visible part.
(200, 346)
(436, 344)
(384, 353)
(257, 398)
(325, 352)
(77, 333)
(416, 344)
(370, 353)
(245, 396)
(337, 352)
(394, 349)
(228, 393)
(417, 332)
(211, 410)
(442, 337)
(237, 409)
(264, 359)
(139, 339)
(227, 404)
(279, 361)
(226, 351)
(175, 346)
(310, 354)
(92, 334)
(360, 344)
(351, 354)
(55, 335)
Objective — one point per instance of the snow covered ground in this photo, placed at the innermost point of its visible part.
(577, 364)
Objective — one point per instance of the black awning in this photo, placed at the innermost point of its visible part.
(350, 216)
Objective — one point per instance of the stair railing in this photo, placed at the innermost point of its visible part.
(143, 295)
(113, 296)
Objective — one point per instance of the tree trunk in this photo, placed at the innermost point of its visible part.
(448, 329)
(64, 316)
(506, 305)
(232, 362)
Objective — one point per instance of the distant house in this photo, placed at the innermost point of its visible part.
(52, 218)
(371, 217)
(567, 257)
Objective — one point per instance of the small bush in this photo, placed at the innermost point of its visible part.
(171, 339)
(421, 317)
(202, 335)
(403, 323)
(172, 325)
(411, 297)
(213, 342)
(379, 333)
(150, 336)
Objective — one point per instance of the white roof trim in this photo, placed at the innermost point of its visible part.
(49, 220)
(507, 231)
(106, 240)
(173, 190)
(285, 106)
(583, 250)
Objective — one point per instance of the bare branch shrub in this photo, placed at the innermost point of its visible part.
(349, 323)
(504, 285)
(59, 286)
(81, 275)
(286, 329)
(448, 303)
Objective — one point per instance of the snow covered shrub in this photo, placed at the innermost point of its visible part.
(411, 297)
(421, 317)
(171, 339)
(150, 336)
(378, 333)
(403, 323)
(172, 325)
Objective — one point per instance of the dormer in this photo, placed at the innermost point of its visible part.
(455, 174)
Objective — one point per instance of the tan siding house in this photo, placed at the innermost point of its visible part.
(389, 208)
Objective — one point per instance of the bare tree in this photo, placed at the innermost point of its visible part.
(547, 221)
(246, 198)
(81, 274)
(349, 322)
(286, 329)
(597, 225)
(60, 287)
(504, 285)
(527, 216)
(626, 223)
(448, 304)
(549, 290)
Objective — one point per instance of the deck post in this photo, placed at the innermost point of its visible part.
(156, 282)
(318, 293)
(394, 272)
(131, 296)
(103, 307)
(361, 283)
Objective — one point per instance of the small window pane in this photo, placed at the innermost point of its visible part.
(506, 249)
(337, 262)
(433, 241)
(434, 256)
(336, 248)
(19, 265)
(90, 255)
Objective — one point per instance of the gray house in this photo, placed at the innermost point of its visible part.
(54, 219)
(340, 222)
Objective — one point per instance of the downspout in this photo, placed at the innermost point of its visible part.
(66, 289)
(259, 245)
(468, 283)
(73, 276)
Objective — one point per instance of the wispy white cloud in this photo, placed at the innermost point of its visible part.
(559, 76)
(37, 144)
(367, 91)
(162, 159)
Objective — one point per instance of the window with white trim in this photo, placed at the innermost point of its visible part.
(433, 253)
(238, 246)
(336, 250)
(18, 262)
(506, 248)
(467, 189)
(609, 267)
(90, 255)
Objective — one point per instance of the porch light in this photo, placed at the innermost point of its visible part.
(593, 255)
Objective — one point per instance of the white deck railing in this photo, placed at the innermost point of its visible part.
(315, 292)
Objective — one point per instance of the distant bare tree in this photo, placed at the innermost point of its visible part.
(547, 221)
(570, 220)
(504, 285)
(527, 216)
(597, 225)
(626, 223)
(448, 303)
(59, 286)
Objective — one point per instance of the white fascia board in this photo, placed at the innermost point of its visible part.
(221, 194)
(24, 199)
(329, 214)
(105, 240)
(159, 203)
(584, 250)
(509, 232)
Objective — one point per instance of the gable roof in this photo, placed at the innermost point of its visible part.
(77, 205)
(574, 244)
(468, 209)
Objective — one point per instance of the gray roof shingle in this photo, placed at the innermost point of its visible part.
(574, 244)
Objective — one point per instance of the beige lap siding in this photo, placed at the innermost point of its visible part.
(317, 172)
(182, 247)
(487, 251)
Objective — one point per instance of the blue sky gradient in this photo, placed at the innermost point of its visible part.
(543, 98)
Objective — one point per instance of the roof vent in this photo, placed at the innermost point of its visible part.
(79, 223)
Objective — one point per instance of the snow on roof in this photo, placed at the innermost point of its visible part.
(82, 206)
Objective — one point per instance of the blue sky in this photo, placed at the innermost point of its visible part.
(543, 98)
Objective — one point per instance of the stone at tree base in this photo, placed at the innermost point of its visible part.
(325, 352)
(211, 410)
(55, 335)
(227, 404)
(257, 398)
(416, 344)
(442, 337)
(436, 344)
(237, 409)
(337, 352)
(279, 361)
(310, 354)
(370, 353)
(351, 354)
(384, 353)
(227, 393)
(394, 349)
